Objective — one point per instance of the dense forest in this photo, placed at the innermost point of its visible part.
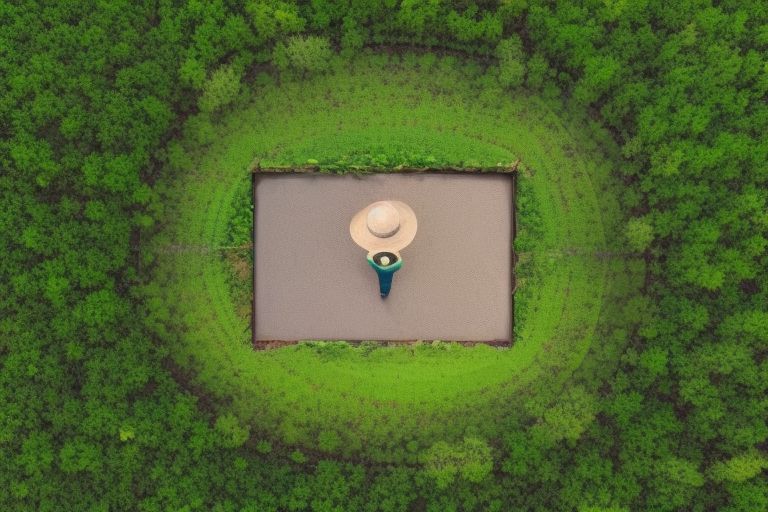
(96, 416)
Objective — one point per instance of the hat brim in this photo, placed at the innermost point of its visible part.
(358, 228)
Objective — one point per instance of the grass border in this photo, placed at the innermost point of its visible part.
(391, 403)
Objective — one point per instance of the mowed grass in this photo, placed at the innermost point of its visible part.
(388, 403)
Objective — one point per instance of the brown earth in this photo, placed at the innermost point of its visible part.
(312, 282)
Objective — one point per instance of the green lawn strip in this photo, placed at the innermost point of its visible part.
(293, 393)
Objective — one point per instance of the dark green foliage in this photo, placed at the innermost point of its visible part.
(240, 228)
(511, 62)
(96, 414)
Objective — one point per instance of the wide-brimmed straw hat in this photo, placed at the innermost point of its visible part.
(384, 226)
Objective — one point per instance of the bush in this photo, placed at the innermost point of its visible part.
(231, 433)
(639, 234)
(511, 62)
(310, 54)
(471, 460)
(538, 72)
(220, 89)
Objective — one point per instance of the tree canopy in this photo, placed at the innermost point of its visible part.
(97, 415)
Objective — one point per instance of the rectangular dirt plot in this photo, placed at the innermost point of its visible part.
(311, 281)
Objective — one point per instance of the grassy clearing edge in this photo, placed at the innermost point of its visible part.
(216, 329)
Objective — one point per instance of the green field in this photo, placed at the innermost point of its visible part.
(366, 401)
(638, 376)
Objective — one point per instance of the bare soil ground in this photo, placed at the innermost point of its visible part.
(312, 282)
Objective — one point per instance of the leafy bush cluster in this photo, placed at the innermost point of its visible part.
(96, 415)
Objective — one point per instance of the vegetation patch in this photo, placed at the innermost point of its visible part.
(377, 402)
(127, 380)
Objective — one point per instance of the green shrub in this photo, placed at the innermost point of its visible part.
(511, 62)
(538, 72)
(471, 460)
(639, 234)
(740, 468)
(231, 433)
(304, 54)
(220, 89)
